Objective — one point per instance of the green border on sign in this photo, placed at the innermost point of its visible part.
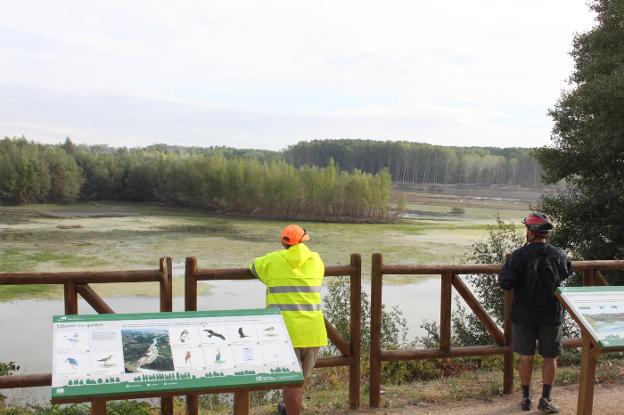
(164, 315)
(604, 344)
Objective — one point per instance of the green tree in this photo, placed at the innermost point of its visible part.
(588, 136)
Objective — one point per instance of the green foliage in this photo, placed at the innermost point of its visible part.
(112, 408)
(409, 162)
(588, 137)
(8, 368)
(467, 330)
(336, 307)
(215, 180)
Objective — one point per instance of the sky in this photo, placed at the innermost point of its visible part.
(268, 74)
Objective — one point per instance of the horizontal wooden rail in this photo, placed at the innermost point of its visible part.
(395, 355)
(416, 269)
(25, 381)
(78, 277)
(245, 274)
(334, 361)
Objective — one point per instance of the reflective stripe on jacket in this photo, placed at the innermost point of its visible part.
(294, 277)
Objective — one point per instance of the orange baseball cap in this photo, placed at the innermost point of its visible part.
(294, 234)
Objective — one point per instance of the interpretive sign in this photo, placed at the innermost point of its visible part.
(113, 354)
(600, 310)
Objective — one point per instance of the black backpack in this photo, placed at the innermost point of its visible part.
(542, 280)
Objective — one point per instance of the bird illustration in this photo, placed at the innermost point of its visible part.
(72, 339)
(218, 356)
(184, 336)
(106, 359)
(270, 331)
(187, 357)
(214, 333)
(241, 334)
(73, 362)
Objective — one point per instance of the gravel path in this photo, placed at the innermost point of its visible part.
(608, 400)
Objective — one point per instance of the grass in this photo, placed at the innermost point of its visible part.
(110, 236)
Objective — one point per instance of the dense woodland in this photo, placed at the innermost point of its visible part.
(423, 163)
(222, 180)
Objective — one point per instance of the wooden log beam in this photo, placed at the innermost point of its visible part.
(340, 343)
(333, 361)
(70, 296)
(166, 286)
(424, 354)
(599, 279)
(446, 295)
(571, 343)
(355, 330)
(25, 381)
(94, 300)
(476, 307)
(375, 331)
(440, 269)
(78, 277)
(203, 274)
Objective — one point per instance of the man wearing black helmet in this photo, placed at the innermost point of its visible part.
(534, 271)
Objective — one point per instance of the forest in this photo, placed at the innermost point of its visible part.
(222, 180)
(423, 163)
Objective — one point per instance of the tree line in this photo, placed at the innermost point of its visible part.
(423, 163)
(222, 180)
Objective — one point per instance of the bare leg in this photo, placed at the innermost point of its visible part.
(293, 399)
(549, 370)
(525, 368)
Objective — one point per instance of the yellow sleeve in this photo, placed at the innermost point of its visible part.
(258, 268)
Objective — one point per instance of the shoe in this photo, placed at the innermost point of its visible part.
(526, 403)
(281, 408)
(546, 405)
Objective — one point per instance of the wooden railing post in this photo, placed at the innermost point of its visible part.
(375, 331)
(166, 295)
(241, 403)
(190, 304)
(355, 330)
(166, 305)
(508, 363)
(445, 311)
(71, 298)
(588, 277)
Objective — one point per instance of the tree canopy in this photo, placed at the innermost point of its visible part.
(410, 162)
(588, 136)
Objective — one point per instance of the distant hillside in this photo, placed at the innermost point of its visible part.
(423, 163)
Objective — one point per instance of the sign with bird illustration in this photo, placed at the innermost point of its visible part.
(134, 354)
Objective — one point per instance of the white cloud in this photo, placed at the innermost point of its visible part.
(270, 73)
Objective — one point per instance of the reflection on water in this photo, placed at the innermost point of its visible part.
(27, 328)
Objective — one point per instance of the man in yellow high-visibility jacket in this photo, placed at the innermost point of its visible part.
(294, 277)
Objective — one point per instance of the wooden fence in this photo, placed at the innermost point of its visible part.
(75, 283)
(350, 351)
(450, 278)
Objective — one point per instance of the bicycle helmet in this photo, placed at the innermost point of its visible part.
(537, 222)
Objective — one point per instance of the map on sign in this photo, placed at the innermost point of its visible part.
(99, 355)
(600, 310)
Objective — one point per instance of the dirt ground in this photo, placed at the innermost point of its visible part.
(608, 400)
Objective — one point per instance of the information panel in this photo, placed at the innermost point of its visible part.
(600, 310)
(110, 354)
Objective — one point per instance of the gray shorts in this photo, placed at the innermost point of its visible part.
(307, 359)
(548, 339)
